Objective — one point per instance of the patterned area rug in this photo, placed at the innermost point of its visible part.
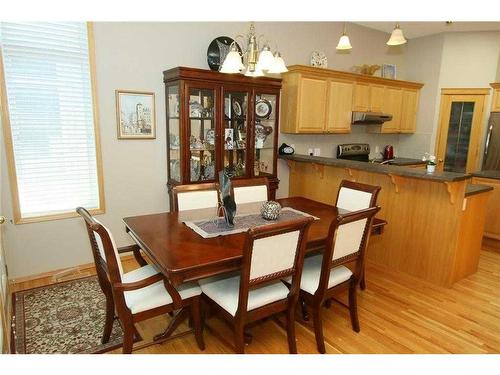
(67, 317)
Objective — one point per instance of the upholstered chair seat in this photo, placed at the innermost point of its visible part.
(225, 292)
(312, 271)
(154, 295)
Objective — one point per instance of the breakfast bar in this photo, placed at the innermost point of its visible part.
(435, 220)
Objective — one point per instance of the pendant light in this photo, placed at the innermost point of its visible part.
(344, 43)
(397, 38)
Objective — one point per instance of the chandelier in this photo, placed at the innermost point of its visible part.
(255, 63)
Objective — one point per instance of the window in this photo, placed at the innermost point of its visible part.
(49, 109)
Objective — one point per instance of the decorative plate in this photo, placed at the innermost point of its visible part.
(218, 50)
(237, 107)
(263, 108)
(318, 59)
(210, 136)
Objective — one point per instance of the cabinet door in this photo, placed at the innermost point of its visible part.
(234, 132)
(495, 105)
(173, 134)
(392, 105)
(339, 107)
(202, 138)
(376, 98)
(312, 105)
(265, 134)
(361, 97)
(409, 111)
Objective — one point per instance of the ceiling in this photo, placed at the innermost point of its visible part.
(418, 29)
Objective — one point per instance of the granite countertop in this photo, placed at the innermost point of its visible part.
(471, 189)
(380, 168)
(495, 175)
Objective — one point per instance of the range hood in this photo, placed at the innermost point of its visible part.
(370, 118)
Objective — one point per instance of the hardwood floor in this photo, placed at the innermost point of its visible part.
(397, 313)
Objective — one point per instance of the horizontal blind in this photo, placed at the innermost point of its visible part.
(48, 82)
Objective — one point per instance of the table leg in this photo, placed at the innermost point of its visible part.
(182, 315)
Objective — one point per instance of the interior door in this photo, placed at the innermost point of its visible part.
(460, 131)
(3, 280)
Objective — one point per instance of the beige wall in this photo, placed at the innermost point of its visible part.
(133, 56)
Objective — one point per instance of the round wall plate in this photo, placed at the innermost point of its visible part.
(218, 50)
(319, 59)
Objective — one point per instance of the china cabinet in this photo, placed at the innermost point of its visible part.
(217, 122)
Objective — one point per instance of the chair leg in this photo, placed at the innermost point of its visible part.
(318, 328)
(110, 317)
(196, 319)
(362, 283)
(290, 328)
(128, 337)
(353, 306)
(239, 338)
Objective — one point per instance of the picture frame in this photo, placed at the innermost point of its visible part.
(135, 114)
(389, 71)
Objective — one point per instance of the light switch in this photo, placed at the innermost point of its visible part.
(317, 152)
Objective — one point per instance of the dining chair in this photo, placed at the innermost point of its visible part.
(249, 190)
(270, 253)
(139, 294)
(353, 196)
(195, 196)
(325, 274)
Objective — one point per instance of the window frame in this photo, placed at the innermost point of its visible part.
(9, 149)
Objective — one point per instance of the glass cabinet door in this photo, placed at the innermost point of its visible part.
(265, 133)
(235, 133)
(202, 135)
(174, 138)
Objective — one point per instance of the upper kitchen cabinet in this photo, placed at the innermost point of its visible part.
(317, 100)
(495, 103)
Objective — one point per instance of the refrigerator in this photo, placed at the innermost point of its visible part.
(491, 157)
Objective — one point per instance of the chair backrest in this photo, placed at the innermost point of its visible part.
(347, 240)
(249, 190)
(196, 196)
(104, 250)
(354, 196)
(271, 253)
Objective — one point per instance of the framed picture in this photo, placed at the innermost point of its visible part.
(135, 114)
(389, 71)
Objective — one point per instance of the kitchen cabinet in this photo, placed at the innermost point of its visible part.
(409, 109)
(495, 103)
(218, 121)
(492, 225)
(316, 101)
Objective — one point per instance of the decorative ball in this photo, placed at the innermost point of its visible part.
(270, 210)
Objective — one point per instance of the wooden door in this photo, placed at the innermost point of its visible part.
(312, 105)
(376, 98)
(393, 97)
(339, 107)
(3, 281)
(361, 97)
(409, 108)
(459, 134)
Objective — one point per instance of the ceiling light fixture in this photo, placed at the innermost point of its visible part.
(255, 63)
(344, 42)
(397, 38)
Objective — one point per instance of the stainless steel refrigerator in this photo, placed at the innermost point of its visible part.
(491, 157)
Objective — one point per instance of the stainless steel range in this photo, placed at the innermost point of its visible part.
(354, 151)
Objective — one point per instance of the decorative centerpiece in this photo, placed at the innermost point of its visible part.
(228, 205)
(270, 210)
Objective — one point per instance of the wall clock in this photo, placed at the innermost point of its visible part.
(319, 60)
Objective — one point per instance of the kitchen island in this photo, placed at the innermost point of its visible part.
(435, 221)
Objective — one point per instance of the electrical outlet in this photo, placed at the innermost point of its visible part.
(317, 152)
(310, 152)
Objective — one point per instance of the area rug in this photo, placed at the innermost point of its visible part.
(67, 317)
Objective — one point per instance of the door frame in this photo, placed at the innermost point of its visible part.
(479, 97)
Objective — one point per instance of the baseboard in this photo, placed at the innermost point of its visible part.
(62, 274)
(491, 244)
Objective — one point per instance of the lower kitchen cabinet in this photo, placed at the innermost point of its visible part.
(492, 225)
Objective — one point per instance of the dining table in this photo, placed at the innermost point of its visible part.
(183, 255)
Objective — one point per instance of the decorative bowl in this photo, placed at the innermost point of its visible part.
(270, 210)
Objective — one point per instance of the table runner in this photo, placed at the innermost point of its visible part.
(215, 227)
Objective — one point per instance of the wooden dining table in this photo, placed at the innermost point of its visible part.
(183, 255)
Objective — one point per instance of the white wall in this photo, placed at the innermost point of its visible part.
(133, 56)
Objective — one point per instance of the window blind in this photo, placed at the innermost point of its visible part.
(49, 94)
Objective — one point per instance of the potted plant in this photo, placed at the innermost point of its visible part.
(431, 162)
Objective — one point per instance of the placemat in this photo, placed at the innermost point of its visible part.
(215, 227)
